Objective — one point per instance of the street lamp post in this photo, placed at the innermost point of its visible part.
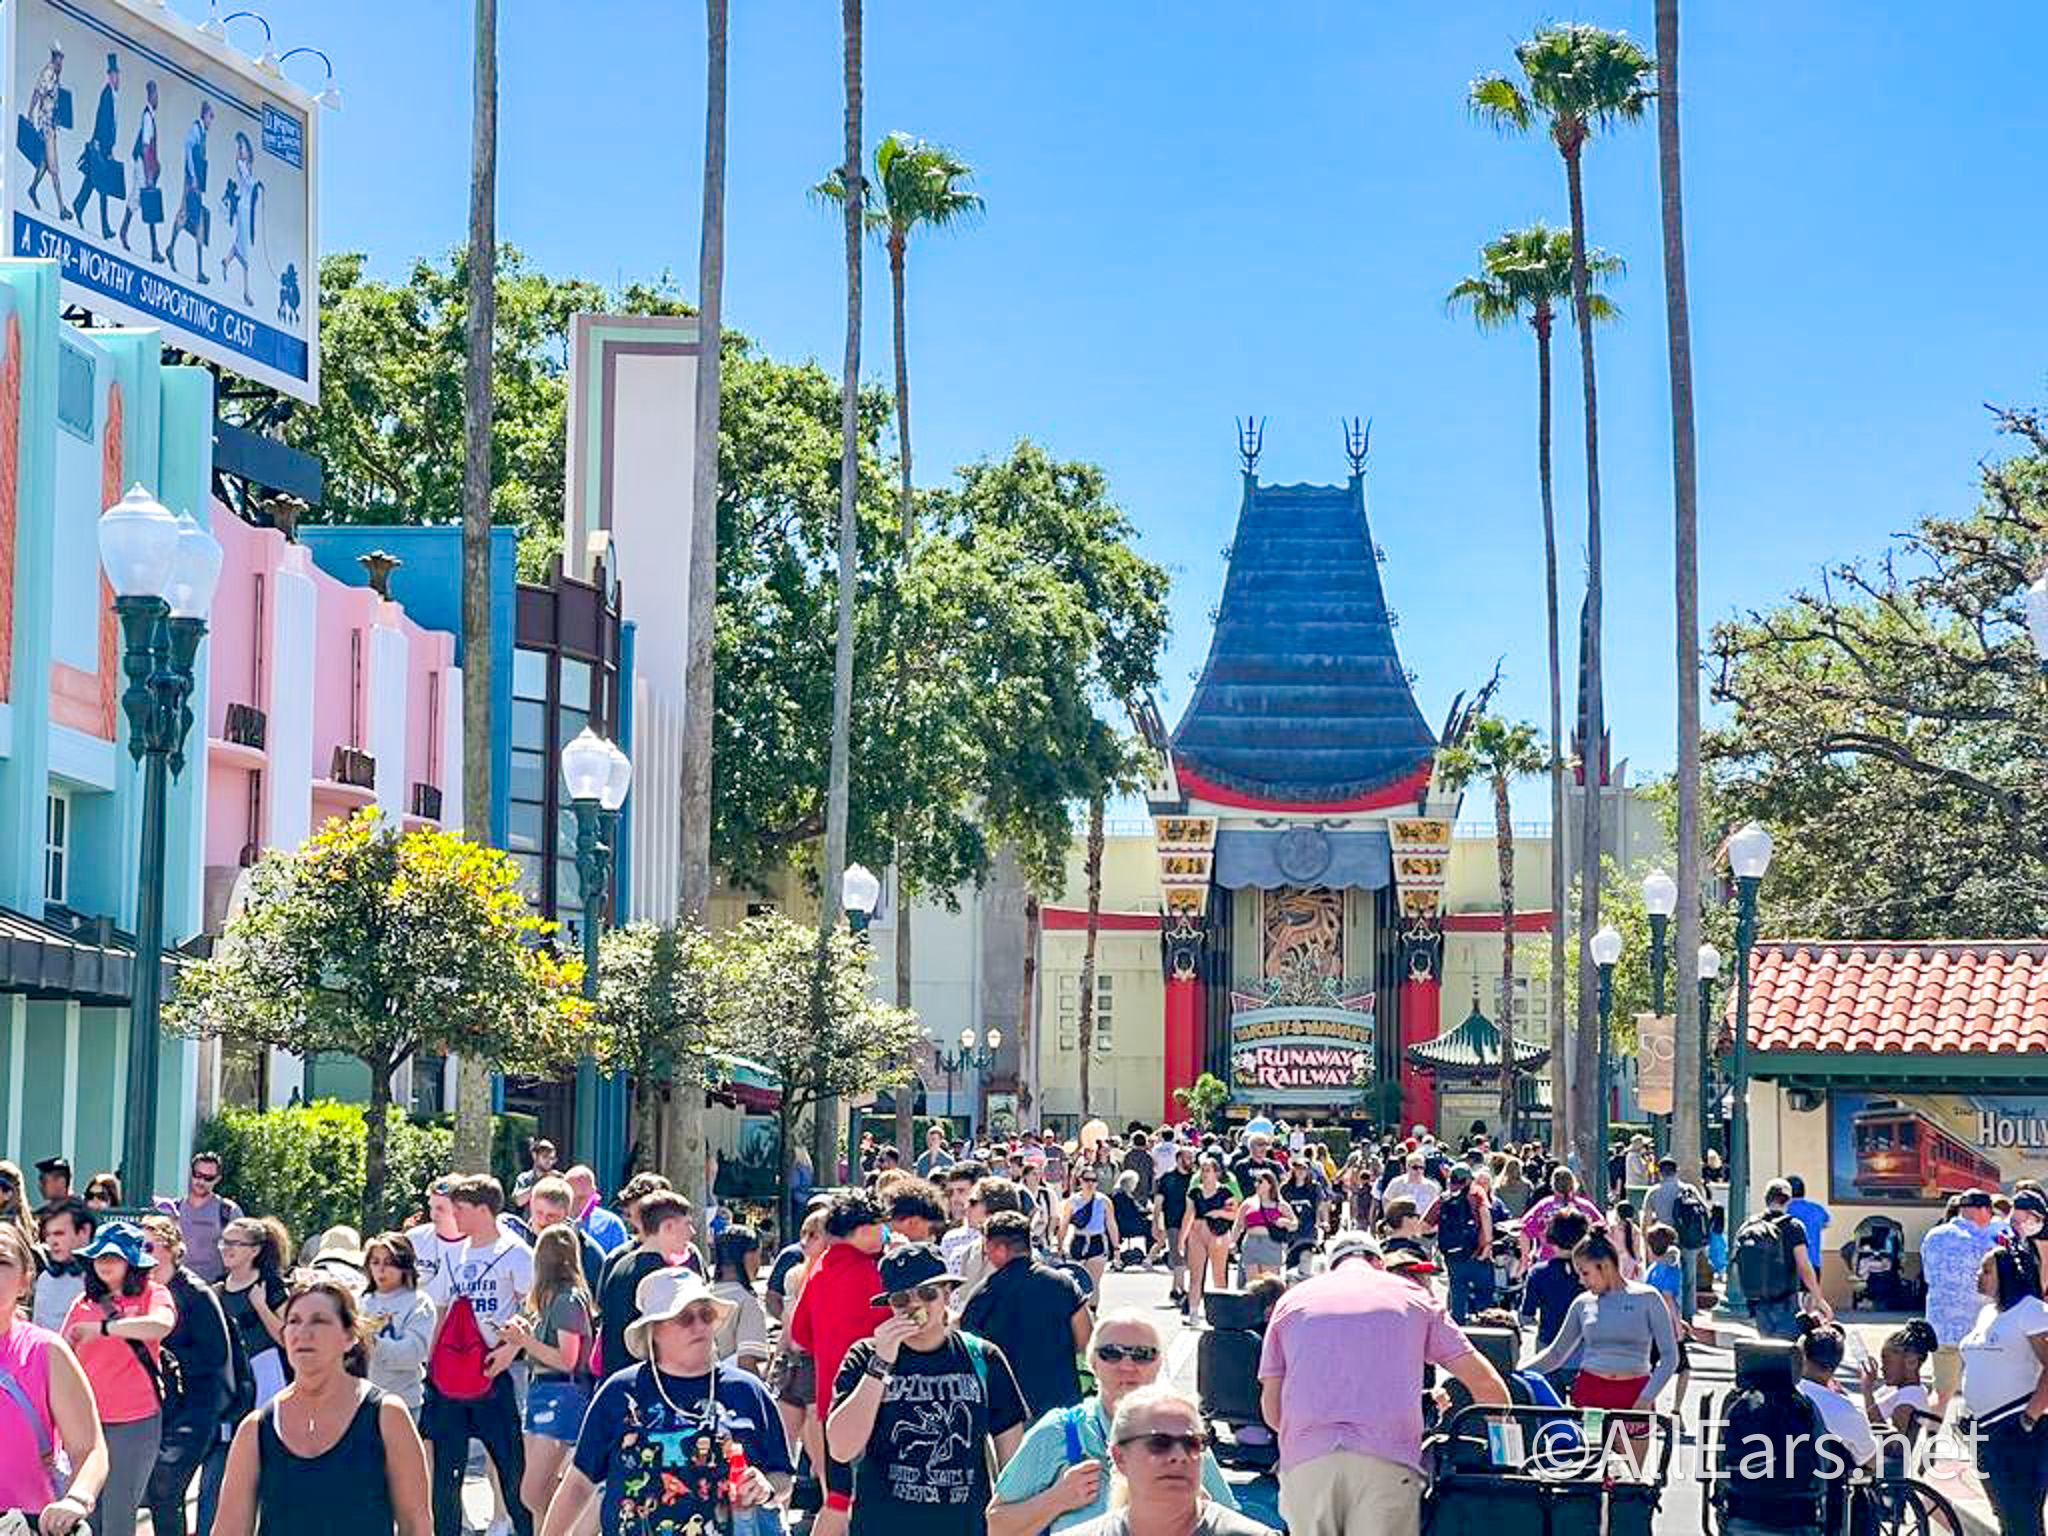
(1606, 949)
(162, 570)
(1710, 972)
(1660, 900)
(597, 775)
(1749, 855)
(970, 1057)
(860, 892)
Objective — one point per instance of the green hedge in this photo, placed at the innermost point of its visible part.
(304, 1164)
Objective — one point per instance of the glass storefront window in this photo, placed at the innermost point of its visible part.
(529, 674)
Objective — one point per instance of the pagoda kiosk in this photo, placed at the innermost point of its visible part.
(1301, 868)
(1464, 1064)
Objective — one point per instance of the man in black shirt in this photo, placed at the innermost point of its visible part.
(1034, 1313)
(1170, 1198)
(667, 1222)
(917, 1405)
(1256, 1158)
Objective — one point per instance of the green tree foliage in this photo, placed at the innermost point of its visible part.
(1888, 724)
(384, 945)
(654, 1022)
(819, 1039)
(388, 428)
(1203, 1099)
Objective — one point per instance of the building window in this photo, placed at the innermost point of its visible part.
(244, 1075)
(1067, 1008)
(57, 847)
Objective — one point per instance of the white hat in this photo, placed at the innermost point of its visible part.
(668, 1293)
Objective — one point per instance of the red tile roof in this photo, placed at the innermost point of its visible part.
(1931, 997)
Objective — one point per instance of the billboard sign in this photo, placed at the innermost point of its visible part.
(1300, 1055)
(170, 179)
(1917, 1149)
(1656, 1062)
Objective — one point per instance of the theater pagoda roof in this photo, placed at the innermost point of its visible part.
(1303, 703)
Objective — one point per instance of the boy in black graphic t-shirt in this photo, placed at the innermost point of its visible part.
(917, 1406)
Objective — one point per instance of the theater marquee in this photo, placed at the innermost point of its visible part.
(1301, 1055)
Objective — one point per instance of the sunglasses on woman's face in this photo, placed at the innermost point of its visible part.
(699, 1314)
(1142, 1354)
(903, 1301)
(1158, 1442)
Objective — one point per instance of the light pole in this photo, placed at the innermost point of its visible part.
(860, 892)
(1749, 855)
(1710, 972)
(163, 570)
(1606, 949)
(597, 775)
(969, 1058)
(1660, 900)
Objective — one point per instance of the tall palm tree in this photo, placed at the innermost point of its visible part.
(917, 186)
(1525, 274)
(1120, 765)
(703, 579)
(1685, 1129)
(473, 1078)
(1578, 79)
(824, 1129)
(1500, 752)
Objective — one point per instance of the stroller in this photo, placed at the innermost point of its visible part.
(1876, 1256)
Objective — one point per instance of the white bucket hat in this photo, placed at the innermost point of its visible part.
(665, 1294)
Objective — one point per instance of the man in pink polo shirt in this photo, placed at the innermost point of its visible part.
(1351, 1438)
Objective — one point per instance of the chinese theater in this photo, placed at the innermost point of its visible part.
(1301, 868)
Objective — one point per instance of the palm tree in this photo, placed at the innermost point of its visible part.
(916, 186)
(1579, 78)
(1121, 766)
(1499, 751)
(1527, 274)
(473, 1091)
(1685, 497)
(824, 1129)
(703, 579)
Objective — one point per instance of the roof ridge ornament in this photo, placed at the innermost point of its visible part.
(1357, 444)
(1251, 438)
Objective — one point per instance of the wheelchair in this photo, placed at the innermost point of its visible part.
(1558, 1471)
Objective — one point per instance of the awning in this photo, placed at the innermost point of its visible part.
(746, 1083)
(1473, 1050)
(91, 962)
(1303, 856)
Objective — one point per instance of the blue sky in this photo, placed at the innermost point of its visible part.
(1201, 209)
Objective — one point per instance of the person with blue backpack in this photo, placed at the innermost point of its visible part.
(1060, 1475)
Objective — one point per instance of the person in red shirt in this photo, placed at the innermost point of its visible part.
(835, 1311)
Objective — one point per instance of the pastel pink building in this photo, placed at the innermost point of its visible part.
(323, 698)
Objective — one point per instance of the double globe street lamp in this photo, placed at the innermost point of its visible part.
(971, 1057)
(163, 570)
(597, 775)
(1660, 901)
(1749, 855)
(1606, 948)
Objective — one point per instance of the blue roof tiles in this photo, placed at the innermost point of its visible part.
(1303, 699)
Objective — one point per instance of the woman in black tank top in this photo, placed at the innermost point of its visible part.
(330, 1455)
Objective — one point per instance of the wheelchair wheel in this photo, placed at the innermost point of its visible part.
(1903, 1507)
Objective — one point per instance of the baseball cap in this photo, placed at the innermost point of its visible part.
(1975, 1199)
(1404, 1254)
(1350, 1245)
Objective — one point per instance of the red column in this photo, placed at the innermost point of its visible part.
(1419, 1022)
(1183, 1041)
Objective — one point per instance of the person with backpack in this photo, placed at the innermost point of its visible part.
(482, 1286)
(199, 1377)
(918, 1406)
(1774, 1269)
(1685, 1209)
(1059, 1476)
(117, 1328)
(1771, 1455)
(45, 1403)
(1462, 1222)
(662, 1436)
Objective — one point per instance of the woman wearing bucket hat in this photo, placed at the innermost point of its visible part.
(658, 1440)
(117, 1329)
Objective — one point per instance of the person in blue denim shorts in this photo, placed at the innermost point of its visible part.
(554, 1335)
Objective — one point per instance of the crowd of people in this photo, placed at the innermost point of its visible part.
(930, 1352)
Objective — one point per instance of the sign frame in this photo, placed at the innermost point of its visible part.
(1985, 1140)
(1300, 1027)
(274, 342)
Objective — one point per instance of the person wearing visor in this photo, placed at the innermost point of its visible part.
(918, 1405)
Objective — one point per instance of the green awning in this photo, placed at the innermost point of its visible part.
(1473, 1050)
(752, 1084)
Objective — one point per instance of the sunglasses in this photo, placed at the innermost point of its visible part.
(1142, 1354)
(205, 1178)
(903, 1301)
(699, 1314)
(1159, 1443)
